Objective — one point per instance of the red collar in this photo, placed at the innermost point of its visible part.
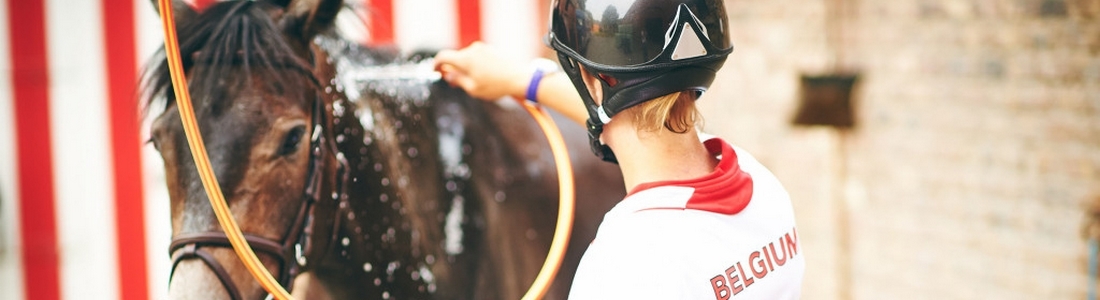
(726, 190)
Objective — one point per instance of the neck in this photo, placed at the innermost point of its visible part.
(661, 155)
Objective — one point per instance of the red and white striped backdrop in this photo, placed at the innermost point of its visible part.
(83, 208)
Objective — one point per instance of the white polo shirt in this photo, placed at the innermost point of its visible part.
(727, 235)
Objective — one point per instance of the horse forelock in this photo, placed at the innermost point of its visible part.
(229, 48)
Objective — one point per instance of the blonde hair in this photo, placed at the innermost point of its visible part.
(675, 112)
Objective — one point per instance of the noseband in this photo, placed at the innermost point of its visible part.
(296, 245)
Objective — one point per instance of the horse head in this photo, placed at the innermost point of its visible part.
(266, 122)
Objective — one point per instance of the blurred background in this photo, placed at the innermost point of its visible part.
(934, 149)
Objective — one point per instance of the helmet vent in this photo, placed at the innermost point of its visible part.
(689, 44)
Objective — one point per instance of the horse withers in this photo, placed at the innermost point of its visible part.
(377, 189)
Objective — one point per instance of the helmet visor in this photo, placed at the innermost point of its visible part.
(630, 32)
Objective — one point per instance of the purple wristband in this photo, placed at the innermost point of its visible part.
(533, 86)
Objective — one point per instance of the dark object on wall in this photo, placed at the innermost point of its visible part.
(826, 100)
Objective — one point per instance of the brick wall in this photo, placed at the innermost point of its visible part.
(976, 149)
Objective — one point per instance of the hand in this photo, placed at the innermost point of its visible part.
(484, 72)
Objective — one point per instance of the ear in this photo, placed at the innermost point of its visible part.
(307, 18)
(182, 11)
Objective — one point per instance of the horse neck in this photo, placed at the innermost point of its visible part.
(378, 250)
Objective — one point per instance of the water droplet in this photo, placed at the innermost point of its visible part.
(392, 266)
(385, 182)
(345, 241)
(462, 171)
(413, 152)
(367, 267)
(499, 196)
(340, 138)
(384, 197)
(430, 259)
(377, 281)
(338, 108)
(351, 216)
(385, 295)
(532, 234)
(377, 167)
(451, 186)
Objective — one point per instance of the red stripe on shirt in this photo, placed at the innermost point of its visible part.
(121, 58)
(31, 91)
(726, 190)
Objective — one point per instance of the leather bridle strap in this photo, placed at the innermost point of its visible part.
(192, 251)
(189, 246)
(295, 243)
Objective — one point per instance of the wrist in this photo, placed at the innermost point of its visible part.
(540, 68)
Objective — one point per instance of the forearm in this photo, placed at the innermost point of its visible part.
(558, 93)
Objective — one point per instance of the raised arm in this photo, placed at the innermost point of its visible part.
(489, 74)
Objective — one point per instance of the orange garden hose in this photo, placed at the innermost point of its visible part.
(233, 231)
(202, 162)
(565, 207)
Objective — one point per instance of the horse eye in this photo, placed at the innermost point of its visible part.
(293, 138)
(153, 141)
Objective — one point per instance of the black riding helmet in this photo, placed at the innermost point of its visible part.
(639, 49)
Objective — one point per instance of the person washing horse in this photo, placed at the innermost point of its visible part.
(702, 218)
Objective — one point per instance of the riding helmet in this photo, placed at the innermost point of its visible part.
(639, 50)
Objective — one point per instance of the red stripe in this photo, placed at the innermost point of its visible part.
(381, 21)
(201, 5)
(121, 56)
(469, 22)
(31, 90)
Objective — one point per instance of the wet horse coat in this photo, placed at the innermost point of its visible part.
(444, 196)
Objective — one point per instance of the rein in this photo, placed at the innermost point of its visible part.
(291, 251)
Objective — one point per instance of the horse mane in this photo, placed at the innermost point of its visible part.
(230, 44)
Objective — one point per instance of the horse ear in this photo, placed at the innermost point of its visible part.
(307, 18)
(181, 10)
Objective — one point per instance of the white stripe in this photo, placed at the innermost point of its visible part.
(158, 229)
(425, 24)
(82, 161)
(11, 264)
(511, 25)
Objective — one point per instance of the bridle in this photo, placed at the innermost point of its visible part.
(297, 247)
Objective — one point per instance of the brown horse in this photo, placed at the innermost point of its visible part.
(381, 189)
